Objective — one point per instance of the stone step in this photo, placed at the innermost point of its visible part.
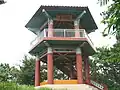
(69, 87)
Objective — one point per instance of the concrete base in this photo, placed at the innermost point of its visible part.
(68, 87)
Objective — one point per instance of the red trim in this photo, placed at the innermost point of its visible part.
(63, 55)
(59, 39)
(65, 38)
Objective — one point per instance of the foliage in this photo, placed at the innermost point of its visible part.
(111, 54)
(13, 86)
(7, 73)
(26, 74)
(106, 63)
(27, 71)
(111, 18)
(105, 66)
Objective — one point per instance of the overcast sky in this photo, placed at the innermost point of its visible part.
(15, 38)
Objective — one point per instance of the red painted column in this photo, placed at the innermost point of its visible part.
(50, 65)
(79, 66)
(87, 69)
(50, 28)
(76, 26)
(37, 72)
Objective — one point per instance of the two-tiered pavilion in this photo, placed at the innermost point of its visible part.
(63, 41)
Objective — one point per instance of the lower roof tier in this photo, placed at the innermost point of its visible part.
(62, 44)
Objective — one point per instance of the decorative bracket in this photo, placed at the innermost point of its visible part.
(48, 16)
(80, 15)
(77, 20)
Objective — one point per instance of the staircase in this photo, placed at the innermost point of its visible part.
(97, 85)
(66, 69)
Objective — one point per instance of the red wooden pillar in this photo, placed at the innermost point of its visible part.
(87, 69)
(76, 26)
(50, 28)
(37, 72)
(50, 65)
(79, 66)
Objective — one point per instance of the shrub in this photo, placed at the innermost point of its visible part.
(13, 86)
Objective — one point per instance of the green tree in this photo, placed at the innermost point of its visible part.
(4, 72)
(27, 72)
(105, 66)
(111, 18)
(8, 73)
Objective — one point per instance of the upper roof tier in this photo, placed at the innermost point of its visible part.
(39, 19)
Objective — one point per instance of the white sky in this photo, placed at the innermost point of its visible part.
(15, 38)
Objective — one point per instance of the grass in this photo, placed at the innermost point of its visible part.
(14, 86)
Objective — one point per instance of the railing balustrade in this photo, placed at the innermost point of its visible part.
(72, 33)
(97, 85)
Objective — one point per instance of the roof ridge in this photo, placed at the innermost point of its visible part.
(62, 6)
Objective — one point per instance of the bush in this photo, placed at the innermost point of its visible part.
(13, 86)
